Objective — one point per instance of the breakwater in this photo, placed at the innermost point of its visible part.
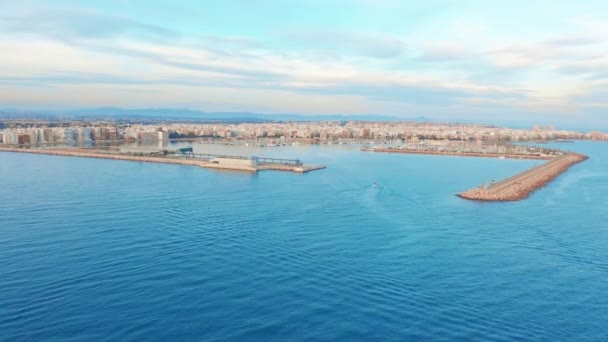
(520, 186)
(85, 153)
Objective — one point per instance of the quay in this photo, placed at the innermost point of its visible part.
(462, 154)
(500, 150)
(184, 157)
(520, 186)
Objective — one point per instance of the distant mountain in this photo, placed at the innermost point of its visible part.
(195, 115)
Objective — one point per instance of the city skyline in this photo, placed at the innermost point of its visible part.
(26, 131)
(445, 60)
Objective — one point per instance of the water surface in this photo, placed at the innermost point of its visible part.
(110, 250)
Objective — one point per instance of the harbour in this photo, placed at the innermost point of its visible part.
(514, 188)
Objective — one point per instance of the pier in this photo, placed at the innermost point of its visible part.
(463, 154)
(520, 186)
(500, 150)
(182, 157)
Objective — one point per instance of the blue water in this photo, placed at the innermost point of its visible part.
(105, 250)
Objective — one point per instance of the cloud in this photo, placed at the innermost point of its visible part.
(194, 67)
(411, 88)
(567, 50)
(599, 76)
(518, 56)
(444, 52)
(412, 94)
(347, 43)
(201, 64)
(231, 42)
(444, 62)
(80, 23)
(598, 94)
(584, 67)
(570, 41)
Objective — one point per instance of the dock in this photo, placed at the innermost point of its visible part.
(183, 157)
(462, 154)
(520, 186)
(501, 150)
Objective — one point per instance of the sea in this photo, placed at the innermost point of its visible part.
(108, 250)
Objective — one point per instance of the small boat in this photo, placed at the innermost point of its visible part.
(501, 157)
(374, 184)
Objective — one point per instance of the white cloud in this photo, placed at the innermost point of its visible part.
(451, 61)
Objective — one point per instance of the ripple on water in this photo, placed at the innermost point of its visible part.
(110, 250)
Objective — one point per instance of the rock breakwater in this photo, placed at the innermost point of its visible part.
(520, 186)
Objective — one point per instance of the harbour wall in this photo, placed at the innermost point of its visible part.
(520, 186)
(225, 165)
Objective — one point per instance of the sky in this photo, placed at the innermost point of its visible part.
(537, 61)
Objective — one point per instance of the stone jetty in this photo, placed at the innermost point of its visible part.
(523, 184)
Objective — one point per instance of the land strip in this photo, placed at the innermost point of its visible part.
(520, 186)
(463, 154)
(500, 150)
(225, 163)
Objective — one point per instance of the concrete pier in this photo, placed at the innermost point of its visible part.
(523, 184)
(239, 163)
(297, 169)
